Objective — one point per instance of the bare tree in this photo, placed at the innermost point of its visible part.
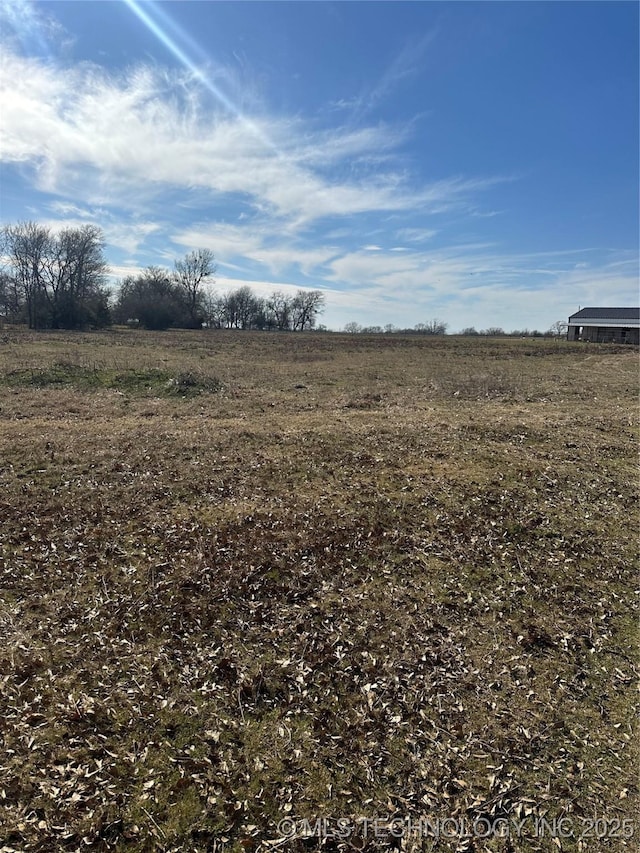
(152, 299)
(191, 274)
(240, 308)
(279, 309)
(26, 246)
(10, 303)
(558, 329)
(73, 273)
(435, 327)
(58, 278)
(305, 307)
(213, 308)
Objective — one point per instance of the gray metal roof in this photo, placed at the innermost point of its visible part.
(630, 315)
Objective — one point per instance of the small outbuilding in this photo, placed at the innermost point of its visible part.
(605, 325)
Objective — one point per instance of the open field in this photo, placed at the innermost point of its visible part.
(248, 576)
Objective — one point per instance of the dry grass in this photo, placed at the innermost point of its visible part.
(251, 576)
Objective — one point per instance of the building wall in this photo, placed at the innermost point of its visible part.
(604, 334)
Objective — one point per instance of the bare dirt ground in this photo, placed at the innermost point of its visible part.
(252, 581)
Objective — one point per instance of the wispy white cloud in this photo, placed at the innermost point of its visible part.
(486, 214)
(124, 139)
(466, 284)
(121, 232)
(405, 64)
(260, 244)
(129, 236)
(478, 285)
(416, 235)
(31, 27)
(262, 288)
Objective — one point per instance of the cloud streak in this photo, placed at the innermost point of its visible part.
(404, 65)
(123, 139)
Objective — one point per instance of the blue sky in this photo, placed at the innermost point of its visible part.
(472, 162)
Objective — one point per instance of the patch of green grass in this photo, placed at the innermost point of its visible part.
(148, 382)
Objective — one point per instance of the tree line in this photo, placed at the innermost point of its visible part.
(432, 327)
(437, 327)
(59, 281)
(556, 330)
(185, 298)
(53, 281)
